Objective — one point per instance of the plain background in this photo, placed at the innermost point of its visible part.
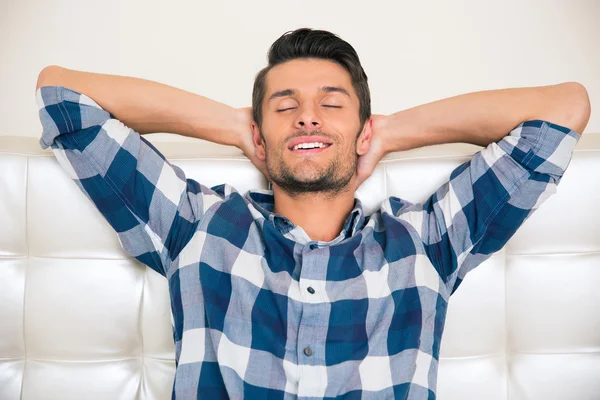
(413, 52)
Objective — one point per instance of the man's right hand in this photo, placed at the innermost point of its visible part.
(245, 143)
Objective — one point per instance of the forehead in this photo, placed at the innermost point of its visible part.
(306, 76)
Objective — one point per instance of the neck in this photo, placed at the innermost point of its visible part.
(321, 215)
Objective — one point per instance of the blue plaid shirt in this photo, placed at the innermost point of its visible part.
(262, 311)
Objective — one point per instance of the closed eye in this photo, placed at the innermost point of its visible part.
(324, 105)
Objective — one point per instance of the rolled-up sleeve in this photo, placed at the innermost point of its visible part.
(149, 202)
(488, 198)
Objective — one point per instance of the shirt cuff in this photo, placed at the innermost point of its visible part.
(63, 111)
(541, 146)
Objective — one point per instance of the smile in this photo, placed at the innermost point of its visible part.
(310, 148)
(309, 144)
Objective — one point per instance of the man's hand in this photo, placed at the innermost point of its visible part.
(377, 149)
(245, 139)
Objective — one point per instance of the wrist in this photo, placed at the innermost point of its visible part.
(402, 131)
(242, 120)
(379, 132)
(390, 130)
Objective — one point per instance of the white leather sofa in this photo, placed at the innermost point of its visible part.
(80, 319)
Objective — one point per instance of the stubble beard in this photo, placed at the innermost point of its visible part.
(330, 181)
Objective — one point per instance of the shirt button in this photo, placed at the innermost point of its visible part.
(308, 351)
(310, 290)
(313, 246)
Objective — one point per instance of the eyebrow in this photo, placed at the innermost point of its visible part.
(326, 89)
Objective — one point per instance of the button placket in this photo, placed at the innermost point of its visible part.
(310, 345)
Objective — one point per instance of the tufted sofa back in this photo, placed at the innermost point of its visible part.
(80, 319)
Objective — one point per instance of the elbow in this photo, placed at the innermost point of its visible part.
(566, 104)
(48, 76)
(578, 109)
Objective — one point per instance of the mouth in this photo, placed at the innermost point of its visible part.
(309, 149)
(309, 145)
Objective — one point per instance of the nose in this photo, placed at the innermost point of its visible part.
(308, 120)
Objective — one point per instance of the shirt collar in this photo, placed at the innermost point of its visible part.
(264, 201)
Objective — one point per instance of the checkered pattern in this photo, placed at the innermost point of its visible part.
(262, 311)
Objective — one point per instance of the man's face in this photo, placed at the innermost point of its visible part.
(310, 101)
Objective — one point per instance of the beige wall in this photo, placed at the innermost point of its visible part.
(412, 52)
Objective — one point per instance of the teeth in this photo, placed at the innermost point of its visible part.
(309, 145)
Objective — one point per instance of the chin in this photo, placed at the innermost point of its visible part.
(313, 178)
(305, 173)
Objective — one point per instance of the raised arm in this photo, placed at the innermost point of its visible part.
(484, 117)
(148, 201)
(150, 107)
(529, 136)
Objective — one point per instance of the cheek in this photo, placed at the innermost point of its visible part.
(265, 138)
(273, 146)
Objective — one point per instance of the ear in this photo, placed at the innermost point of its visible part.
(364, 139)
(259, 145)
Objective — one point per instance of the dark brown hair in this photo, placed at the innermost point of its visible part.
(310, 43)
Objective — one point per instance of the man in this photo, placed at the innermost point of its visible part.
(295, 292)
